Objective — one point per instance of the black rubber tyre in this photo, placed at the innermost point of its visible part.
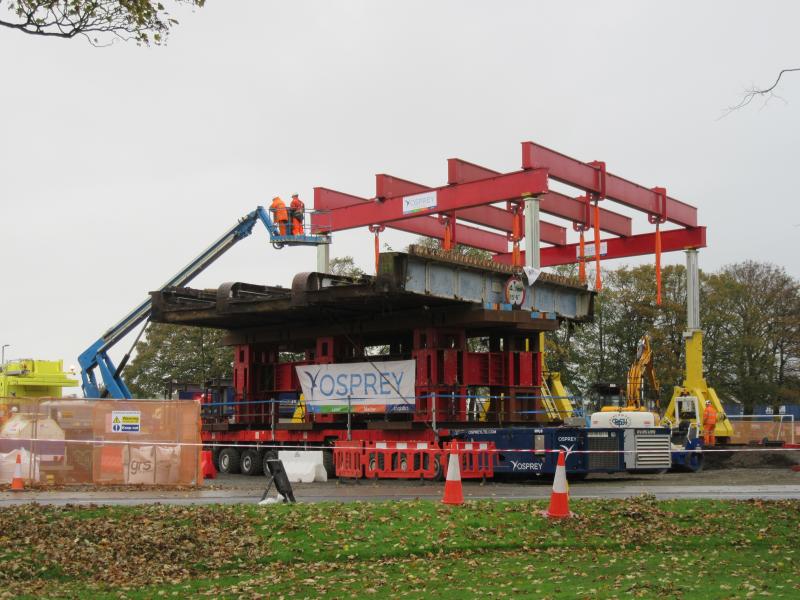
(215, 457)
(229, 461)
(438, 470)
(251, 463)
(327, 462)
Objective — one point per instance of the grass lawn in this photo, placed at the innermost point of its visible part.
(614, 548)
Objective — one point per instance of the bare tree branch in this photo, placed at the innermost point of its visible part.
(99, 21)
(753, 93)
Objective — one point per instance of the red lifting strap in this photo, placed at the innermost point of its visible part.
(581, 228)
(600, 177)
(657, 220)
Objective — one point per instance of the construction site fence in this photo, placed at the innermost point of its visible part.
(757, 429)
(412, 460)
(102, 442)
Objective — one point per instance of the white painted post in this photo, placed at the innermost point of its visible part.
(532, 236)
(692, 291)
(324, 258)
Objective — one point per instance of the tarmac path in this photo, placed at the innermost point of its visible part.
(735, 485)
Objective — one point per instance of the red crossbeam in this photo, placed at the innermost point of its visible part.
(553, 203)
(635, 245)
(582, 175)
(489, 216)
(326, 199)
(443, 200)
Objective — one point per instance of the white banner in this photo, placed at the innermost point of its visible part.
(377, 387)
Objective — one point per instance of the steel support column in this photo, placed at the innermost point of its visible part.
(324, 258)
(692, 291)
(532, 237)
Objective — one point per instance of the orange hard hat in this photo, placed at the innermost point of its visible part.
(276, 198)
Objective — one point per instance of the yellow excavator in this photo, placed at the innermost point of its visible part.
(634, 384)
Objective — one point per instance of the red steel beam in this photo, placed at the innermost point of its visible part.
(635, 245)
(553, 203)
(326, 199)
(489, 216)
(582, 175)
(443, 200)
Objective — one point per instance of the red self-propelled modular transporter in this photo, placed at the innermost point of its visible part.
(468, 330)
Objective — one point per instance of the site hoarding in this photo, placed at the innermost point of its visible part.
(367, 387)
(69, 440)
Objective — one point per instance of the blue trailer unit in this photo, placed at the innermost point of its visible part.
(531, 451)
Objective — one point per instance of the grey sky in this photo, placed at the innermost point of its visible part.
(118, 165)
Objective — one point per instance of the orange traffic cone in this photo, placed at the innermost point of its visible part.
(453, 492)
(559, 498)
(17, 484)
(207, 465)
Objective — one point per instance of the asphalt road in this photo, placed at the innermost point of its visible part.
(737, 484)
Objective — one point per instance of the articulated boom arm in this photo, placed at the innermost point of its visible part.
(96, 355)
(642, 364)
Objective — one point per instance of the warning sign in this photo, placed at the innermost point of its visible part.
(126, 421)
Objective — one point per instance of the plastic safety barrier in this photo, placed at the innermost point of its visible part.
(303, 466)
(348, 458)
(402, 460)
(476, 459)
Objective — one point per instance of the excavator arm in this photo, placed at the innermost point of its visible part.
(643, 365)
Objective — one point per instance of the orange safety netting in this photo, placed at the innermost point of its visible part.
(69, 440)
(759, 429)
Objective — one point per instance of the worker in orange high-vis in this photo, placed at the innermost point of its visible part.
(279, 214)
(709, 424)
(297, 210)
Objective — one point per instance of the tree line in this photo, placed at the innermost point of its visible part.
(749, 312)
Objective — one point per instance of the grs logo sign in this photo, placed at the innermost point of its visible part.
(525, 466)
(143, 466)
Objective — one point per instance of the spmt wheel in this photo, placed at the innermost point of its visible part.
(252, 463)
(229, 461)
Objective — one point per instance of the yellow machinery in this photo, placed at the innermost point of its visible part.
(31, 378)
(634, 385)
(689, 400)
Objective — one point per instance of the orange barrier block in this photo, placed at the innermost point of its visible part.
(207, 465)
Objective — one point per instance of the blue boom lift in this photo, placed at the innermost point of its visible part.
(96, 355)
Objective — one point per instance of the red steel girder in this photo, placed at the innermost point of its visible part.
(635, 245)
(553, 203)
(582, 175)
(326, 199)
(501, 188)
(488, 216)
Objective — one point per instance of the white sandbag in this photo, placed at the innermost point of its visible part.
(270, 500)
(168, 464)
(303, 466)
(139, 465)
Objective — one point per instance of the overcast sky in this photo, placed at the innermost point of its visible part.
(118, 165)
